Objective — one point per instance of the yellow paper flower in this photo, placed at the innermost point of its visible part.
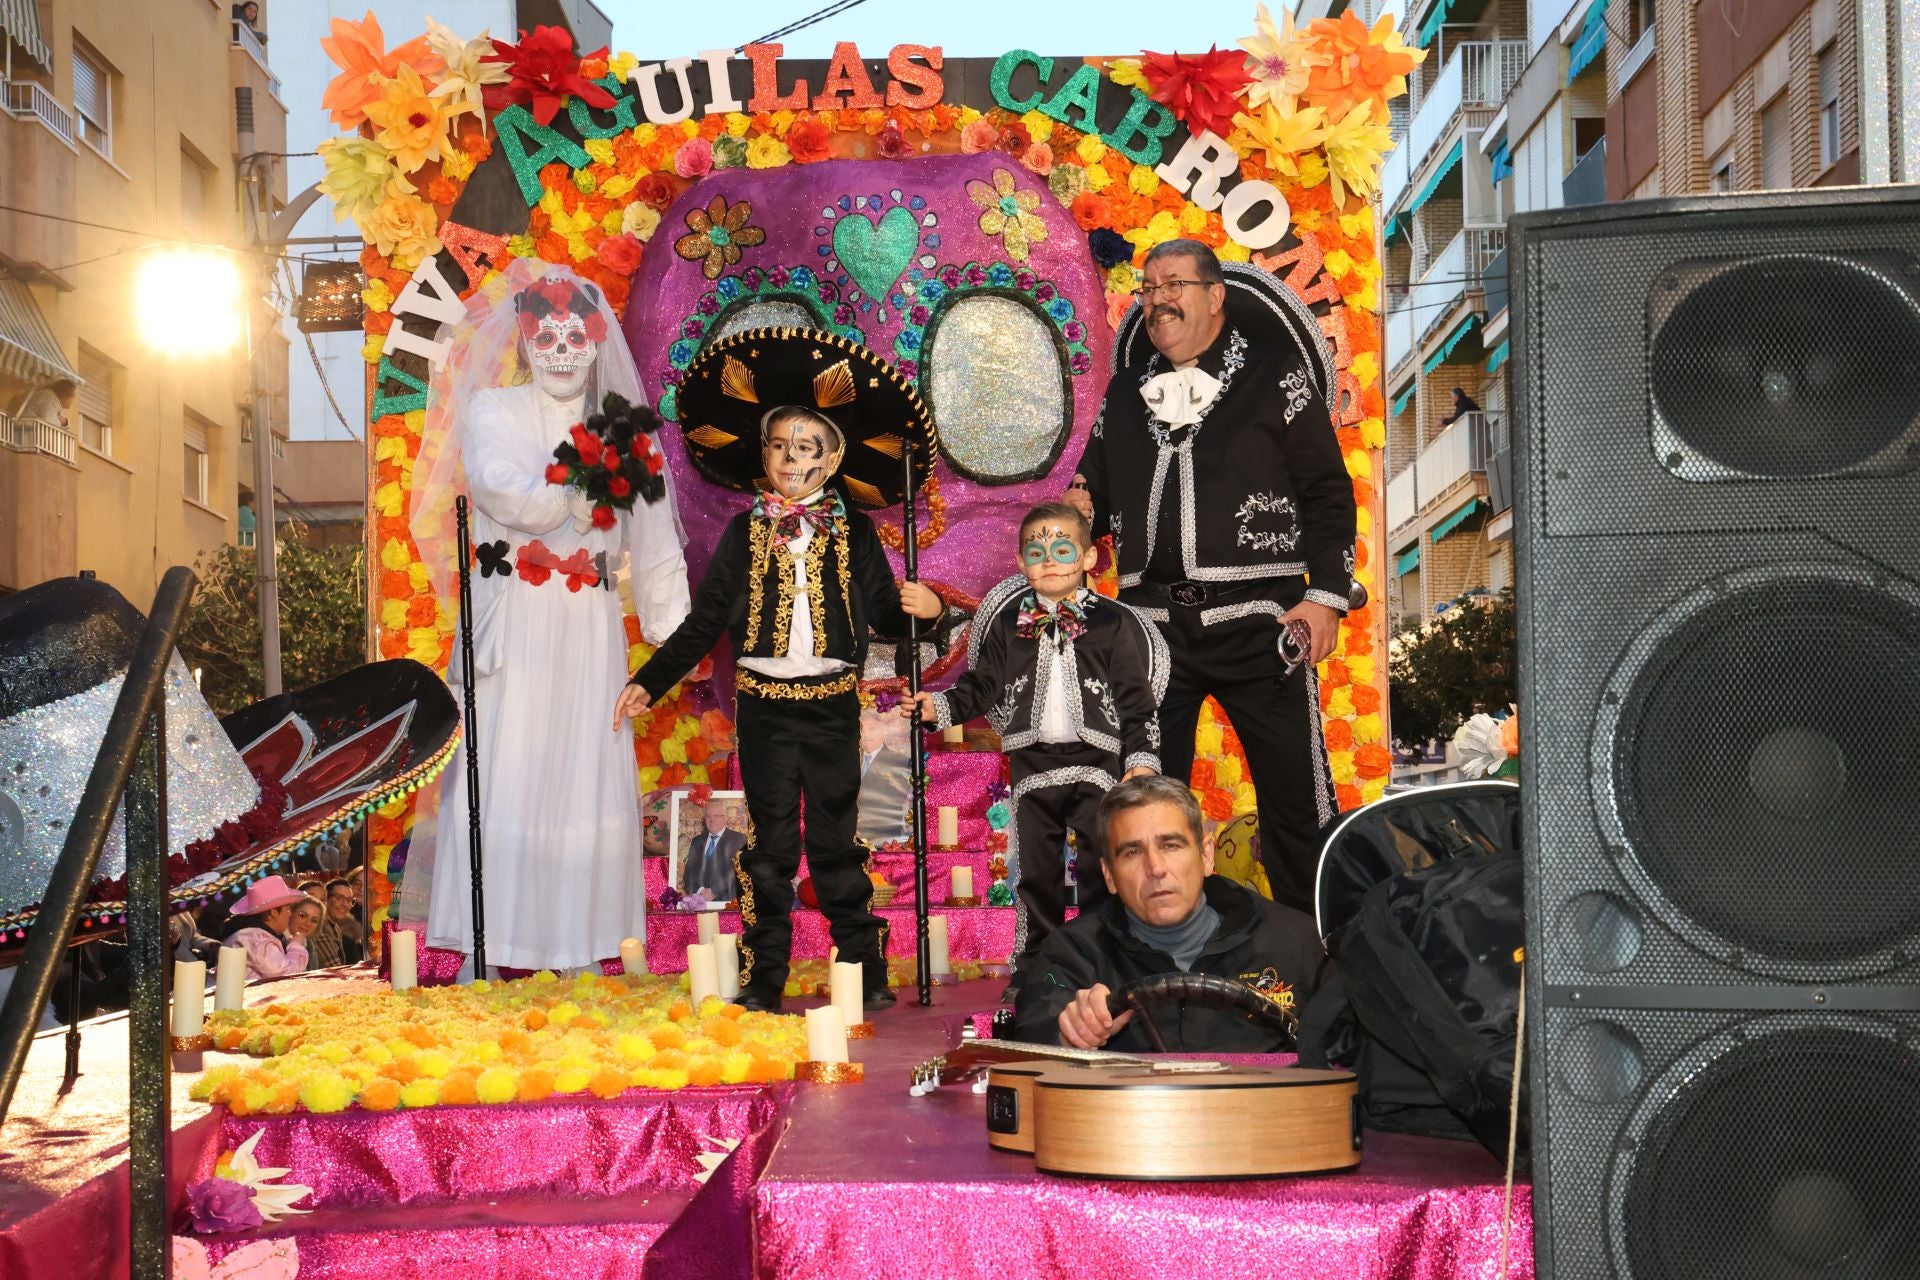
(1355, 145)
(1098, 179)
(621, 65)
(1340, 704)
(1009, 213)
(1285, 135)
(1367, 729)
(1090, 150)
(640, 221)
(359, 175)
(1340, 764)
(1127, 73)
(767, 152)
(1361, 668)
(402, 229)
(1278, 59)
(420, 1093)
(1142, 180)
(1365, 367)
(1234, 251)
(1313, 172)
(410, 122)
(737, 125)
(1372, 789)
(601, 149)
(1373, 433)
(378, 297)
(497, 1084)
(324, 1094)
(469, 70)
(1038, 124)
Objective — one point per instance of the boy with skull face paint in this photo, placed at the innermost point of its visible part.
(1072, 681)
(797, 580)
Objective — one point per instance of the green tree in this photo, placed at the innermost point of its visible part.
(1462, 664)
(323, 618)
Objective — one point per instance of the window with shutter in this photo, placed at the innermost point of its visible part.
(1776, 145)
(193, 195)
(194, 479)
(93, 101)
(95, 403)
(1829, 107)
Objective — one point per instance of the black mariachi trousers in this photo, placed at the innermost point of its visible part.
(1056, 789)
(802, 738)
(1237, 660)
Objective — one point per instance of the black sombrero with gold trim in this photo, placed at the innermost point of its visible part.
(734, 383)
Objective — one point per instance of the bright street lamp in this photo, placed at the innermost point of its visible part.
(190, 301)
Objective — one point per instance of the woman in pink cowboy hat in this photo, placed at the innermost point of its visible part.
(259, 925)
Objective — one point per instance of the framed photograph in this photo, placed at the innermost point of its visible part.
(702, 842)
(886, 782)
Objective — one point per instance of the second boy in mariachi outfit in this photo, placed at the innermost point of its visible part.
(820, 424)
(1072, 681)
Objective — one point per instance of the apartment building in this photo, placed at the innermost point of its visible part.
(122, 133)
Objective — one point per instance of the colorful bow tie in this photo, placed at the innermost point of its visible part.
(1066, 621)
(788, 516)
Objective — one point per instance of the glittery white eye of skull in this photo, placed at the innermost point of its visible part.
(561, 353)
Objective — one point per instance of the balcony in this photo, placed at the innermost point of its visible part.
(1493, 281)
(1477, 78)
(36, 435)
(28, 100)
(1587, 183)
(248, 41)
(1457, 454)
(1499, 467)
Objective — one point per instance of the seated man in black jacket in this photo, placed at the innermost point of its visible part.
(1168, 912)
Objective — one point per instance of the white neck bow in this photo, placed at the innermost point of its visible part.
(1180, 396)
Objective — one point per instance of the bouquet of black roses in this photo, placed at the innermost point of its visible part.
(613, 458)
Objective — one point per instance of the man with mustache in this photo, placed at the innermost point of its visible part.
(1214, 466)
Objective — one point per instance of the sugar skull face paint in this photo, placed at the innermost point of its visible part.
(1055, 563)
(800, 452)
(561, 328)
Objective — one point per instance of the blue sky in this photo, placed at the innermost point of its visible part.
(975, 29)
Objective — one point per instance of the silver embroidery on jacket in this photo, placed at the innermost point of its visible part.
(1267, 503)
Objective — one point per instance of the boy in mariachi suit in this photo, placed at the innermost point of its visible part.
(797, 581)
(1072, 681)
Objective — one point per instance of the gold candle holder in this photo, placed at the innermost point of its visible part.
(862, 1030)
(191, 1044)
(946, 979)
(830, 1072)
(996, 970)
(971, 900)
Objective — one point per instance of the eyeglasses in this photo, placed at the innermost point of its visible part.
(1148, 291)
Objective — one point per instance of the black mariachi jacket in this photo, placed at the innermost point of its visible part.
(1116, 675)
(1260, 486)
(1258, 942)
(749, 594)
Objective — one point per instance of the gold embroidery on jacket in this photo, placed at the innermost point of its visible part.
(817, 592)
(760, 544)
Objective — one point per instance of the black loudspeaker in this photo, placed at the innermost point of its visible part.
(1717, 530)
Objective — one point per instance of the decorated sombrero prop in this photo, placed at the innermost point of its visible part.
(1266, 312)
(244, 794)
(732, 385)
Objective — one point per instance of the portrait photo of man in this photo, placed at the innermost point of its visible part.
(707, 838)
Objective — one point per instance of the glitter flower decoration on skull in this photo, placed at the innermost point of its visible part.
(1008, 213)
(718, 233)
(561, 327)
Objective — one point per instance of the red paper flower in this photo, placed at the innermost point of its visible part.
(579, 570)
(619, 487)
(808, 141)
(1014, 140)
(603, 517)
(558, 473)
(1201, 89)
(587, 443)
(894, 144)
(620, 254)
(545, 74)
(534, 562)
(657, 190)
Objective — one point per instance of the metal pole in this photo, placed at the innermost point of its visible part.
(80, 857)
(150, 1060)
(472, 744)
(266, 553)
(72, 1075)
(910, 556)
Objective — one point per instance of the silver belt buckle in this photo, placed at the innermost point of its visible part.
(1187, 595)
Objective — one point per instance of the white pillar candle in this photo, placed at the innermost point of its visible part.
(955, 735)
(937, 945)
(708, 923)
(727, 952)
(962, 882)
(833, 953)
(189, 997)
(826, 1035)
(949, 827)
(844, 990)
(703, 972)
(633, 956)
(404, 964)
(230, 979)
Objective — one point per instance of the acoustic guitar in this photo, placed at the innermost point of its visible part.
(1109, 1115)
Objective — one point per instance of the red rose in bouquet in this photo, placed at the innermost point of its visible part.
(612, 458)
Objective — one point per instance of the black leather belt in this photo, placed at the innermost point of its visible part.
(1192, 595)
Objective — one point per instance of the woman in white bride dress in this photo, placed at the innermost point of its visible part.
(559, 804)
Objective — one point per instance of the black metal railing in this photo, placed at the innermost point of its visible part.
(132, 763)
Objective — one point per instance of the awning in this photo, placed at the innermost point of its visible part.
(1409, 561)
(1502, 161)
(1451, 159)
(1394, 228)
(1497, 357)
(20, 19)
(28, 349)
(1591, 40)
(1436, 18)
(1454, 339)
(1400, 401)
(1457, 518)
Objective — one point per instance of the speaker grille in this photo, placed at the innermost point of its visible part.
(1789, 1156)
(1753, 750)
(1752, 377)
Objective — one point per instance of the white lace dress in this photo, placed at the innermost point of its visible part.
(559, 801)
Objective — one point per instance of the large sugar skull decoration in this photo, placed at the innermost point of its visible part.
(964, 270)
(561, 329)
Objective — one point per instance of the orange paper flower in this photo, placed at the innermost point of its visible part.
(359, 50)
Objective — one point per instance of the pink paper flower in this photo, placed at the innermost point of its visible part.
(694, 159)
(1039, 159)
(979, 136)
